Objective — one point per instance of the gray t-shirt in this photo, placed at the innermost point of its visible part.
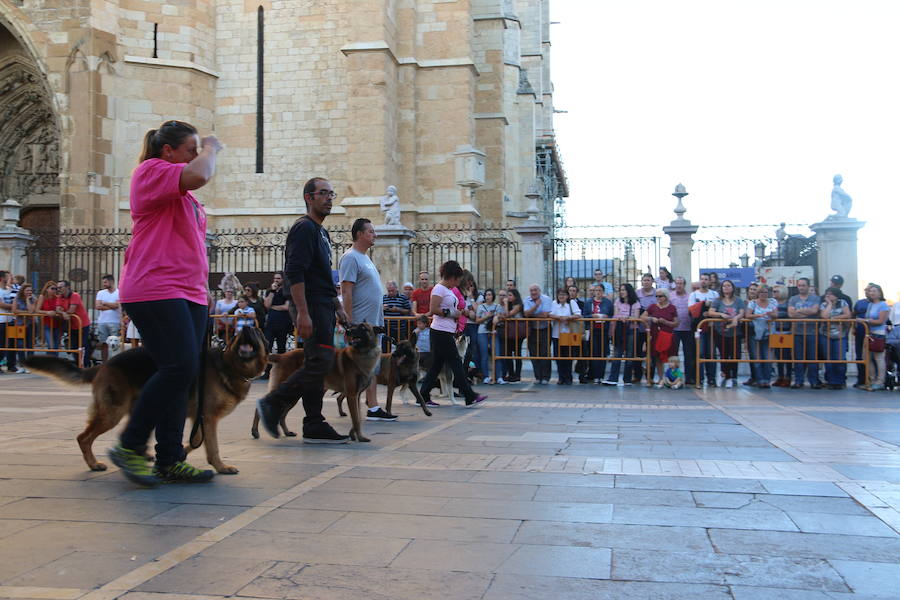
(359, 269)
(811, 301)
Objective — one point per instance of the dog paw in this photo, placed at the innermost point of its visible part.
(342, 413)
(98, 467)
(227, 470)
(254, 433)
(289, 433)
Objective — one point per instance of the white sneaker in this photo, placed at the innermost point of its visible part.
(609, 382)
(486, 381)
(501, 381)
(22, 370)
(729, 383)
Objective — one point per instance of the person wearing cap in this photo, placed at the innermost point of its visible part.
(836, 282)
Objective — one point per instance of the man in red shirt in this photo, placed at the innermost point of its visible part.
(422, 294)
(69, 303)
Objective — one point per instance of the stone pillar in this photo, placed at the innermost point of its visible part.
(14, 240)
(681, 240)
(836, 245)
(532, 268)
(391, 253)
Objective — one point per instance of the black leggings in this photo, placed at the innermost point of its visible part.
(443, 350)
(172, 332)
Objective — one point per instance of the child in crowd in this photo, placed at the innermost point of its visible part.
(673, 377)
(246, 314)
(423, 342)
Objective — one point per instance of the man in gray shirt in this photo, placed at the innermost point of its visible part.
(361, 296)
(805, 305)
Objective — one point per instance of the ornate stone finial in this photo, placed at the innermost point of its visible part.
(533, 194)
(390, 206)
(840, 200)
(680, 192)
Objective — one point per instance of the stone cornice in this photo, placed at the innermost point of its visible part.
(382, 46)
(172, 64)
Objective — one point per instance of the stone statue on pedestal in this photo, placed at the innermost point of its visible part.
(840, 200)
(390, 206)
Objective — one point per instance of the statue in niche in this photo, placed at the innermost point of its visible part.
(390, 206)
(840, 200)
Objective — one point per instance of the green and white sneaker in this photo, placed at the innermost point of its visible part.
(134, 466)
(182, 472)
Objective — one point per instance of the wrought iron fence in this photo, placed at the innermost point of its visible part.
(487, 250)
(719, 247)
(623, 253)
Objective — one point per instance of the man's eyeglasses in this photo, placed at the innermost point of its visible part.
(661, 296)
(52, 288)
(326, 194)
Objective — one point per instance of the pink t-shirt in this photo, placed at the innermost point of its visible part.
(448, 300)
(460, 304)
(166, 258)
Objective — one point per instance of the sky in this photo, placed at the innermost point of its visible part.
(754, 106)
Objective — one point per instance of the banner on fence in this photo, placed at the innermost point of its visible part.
(740, 276)
(783, 275)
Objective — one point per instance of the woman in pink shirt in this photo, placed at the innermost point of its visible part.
(163, 289)
(445, 310)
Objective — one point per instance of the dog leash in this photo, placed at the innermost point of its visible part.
(201, 388)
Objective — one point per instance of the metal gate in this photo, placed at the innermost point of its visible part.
(577, 253)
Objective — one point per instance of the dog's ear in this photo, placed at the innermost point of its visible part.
(414, 338)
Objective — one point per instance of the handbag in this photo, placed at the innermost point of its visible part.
(516, 330)
(876, 344)
(663, 341)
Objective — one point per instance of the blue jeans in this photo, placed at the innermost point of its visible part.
(172, 332)
(52, 337)
(624, 347)
(834, 349)
(805, 347)
(484, 354)
(759, 349)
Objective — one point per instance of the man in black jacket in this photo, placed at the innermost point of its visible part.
(307, 274)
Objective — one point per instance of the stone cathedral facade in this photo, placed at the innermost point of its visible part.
(448, 100)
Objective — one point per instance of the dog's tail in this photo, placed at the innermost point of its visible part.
(62, 370)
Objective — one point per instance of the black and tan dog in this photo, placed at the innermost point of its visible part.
(117, 383)
(350, 375)
(399, 371)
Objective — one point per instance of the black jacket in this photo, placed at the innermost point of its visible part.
(307, 260)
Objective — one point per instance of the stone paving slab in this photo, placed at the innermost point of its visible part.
(583, 492)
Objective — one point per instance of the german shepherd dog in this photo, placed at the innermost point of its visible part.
(117, 383)
(399, 370)
(350, 375)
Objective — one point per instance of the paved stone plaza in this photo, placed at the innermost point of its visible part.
(570, 493)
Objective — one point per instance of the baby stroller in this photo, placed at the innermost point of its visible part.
(891, 365)
(892, 359)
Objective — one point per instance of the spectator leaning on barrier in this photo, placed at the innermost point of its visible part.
(564, 312)
(582, 367)
(684, 337)
(705, 295)
(484, 318)
(805, 305)
(69, 303)
(728, 306)
(646, 295)
(598, 306)
(876, 318)
(859, 338)
(662, 317)
(761, 311)
(396, 304)
(833, 337)
(6, 303)
(780, 293)
(537, 306)
(24, 302)
(626, 307)
(109, 323)
(509, 337)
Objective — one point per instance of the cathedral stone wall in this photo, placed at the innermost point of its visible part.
(446, 99)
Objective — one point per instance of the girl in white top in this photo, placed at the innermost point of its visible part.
(445, 310)
(565, 313)
(246, 314)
